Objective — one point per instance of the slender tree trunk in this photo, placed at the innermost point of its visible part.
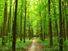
(21, 24)
(44, 22)
(41, 34)
(50, 26)
(63, 20)
(4, 29)
(44, 25)
(44, 30)
(67, 29)
(14, 27)
(56, 24)
(10, 22)
(25, 22)
(32, 33)
(41, 28)
(64, 35)
(61, 27)
(9, 19)
(66, 22)
(29, 27)
(29, 33)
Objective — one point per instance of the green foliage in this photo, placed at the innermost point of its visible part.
(36, 17)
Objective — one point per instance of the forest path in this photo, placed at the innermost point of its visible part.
(35, 46)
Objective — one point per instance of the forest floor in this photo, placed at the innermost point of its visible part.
(35, 46)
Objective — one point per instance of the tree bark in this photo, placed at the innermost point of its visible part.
(21, 24)
(4, 29)
(50, 26)
(61, 27)
(56, 24)
(25, 22)
(14, 27)
(9, 18)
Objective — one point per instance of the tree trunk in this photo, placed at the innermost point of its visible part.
(50, 26)
(56, 24)
(25, 22)
(9, 18)
(4, 29)
(14, 27)
(44, 21)
(29, 28)
(66, 22)
(21, 24)
(63, 19)
(61, 27)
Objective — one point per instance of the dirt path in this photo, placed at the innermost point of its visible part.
(35, 46)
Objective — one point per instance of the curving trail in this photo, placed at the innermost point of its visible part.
(35, 46)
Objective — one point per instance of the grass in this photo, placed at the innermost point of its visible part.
(20, 45)
(55, 46)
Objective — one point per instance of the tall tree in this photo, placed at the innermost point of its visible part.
(21, 22)
(63, 20)
(55, 16)
(25, 21)
(9, 18)
(14, 27)
(4, 29)
(66, 17)
(61, 26)
(50, 25)
(41, 28)
(29, 26)
(44, 21)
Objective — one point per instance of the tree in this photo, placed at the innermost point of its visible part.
(41, 28)
(66, 17)
(25, 22)
(50, 26)
(56, 20)
(10, 18)
(4, 29)
(21, 22)
(29, 26)
(14, 27)
(63, 20)
(61, 26)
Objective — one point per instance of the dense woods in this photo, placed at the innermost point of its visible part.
(22, 20)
